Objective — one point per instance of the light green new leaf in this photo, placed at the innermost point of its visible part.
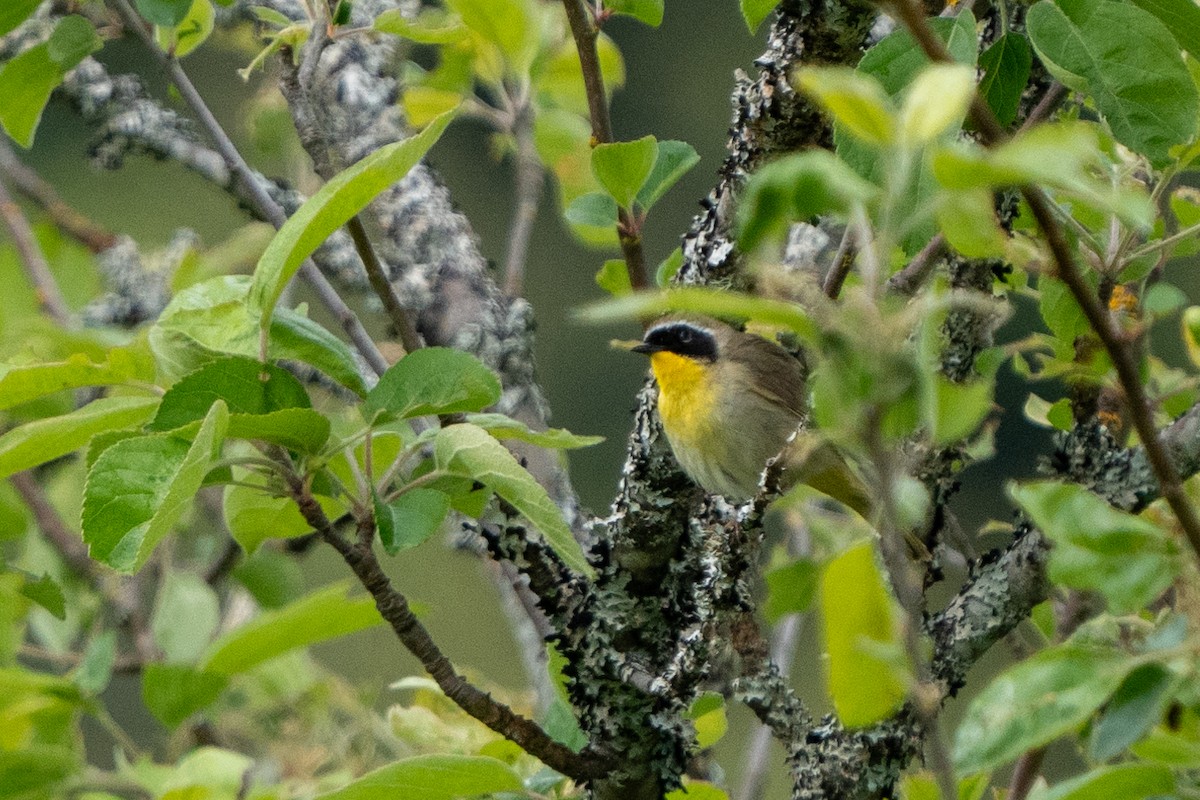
(173, 692)
(22, 383)
(797, 188)
(613, 277)
(470, 452)
(514, 26)
(668, 268)
(868, 673)
(140, 487)
(434, 380)
(1129, 64)
(332, 206)
(1035, 702)
(790, 589)
(1136, 707)
(94, 672)
(431, 26)
(410, 519)
(47, 439)
(167, 13)
(27, 80)
(707, 714)
(967, 218)
(186, 614)
(1124, 781)
(936, 101)
(671, 163)
(1127, 559)
(623, 167)
(755, 11)
(432, 777)
(192, 31)
(854, 99)
(647, 11)
(593, 209)
(504, 427)
(955, 410)
(254, 515)
(324, 614)
(14, 12)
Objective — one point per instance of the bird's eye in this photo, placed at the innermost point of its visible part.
(685, 335)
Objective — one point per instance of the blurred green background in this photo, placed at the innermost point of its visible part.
(678, 85)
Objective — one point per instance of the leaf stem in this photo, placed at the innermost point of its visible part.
(628, 225)
(1119, 348)
(529, 179)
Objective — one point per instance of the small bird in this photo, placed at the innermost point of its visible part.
(731, 400)
(728, 400)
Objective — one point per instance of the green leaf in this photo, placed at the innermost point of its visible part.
(96, 667)
(594, 209)
(504, 427)
(212, 318)
(1035, 702)
(324, 614)
(672, 162)
(410, 519)
(46, 592)
(1129, 64)
(191, 32)
(432, 777)
(936, 101)
(47, 439)
(755, 11)
(73, 39)
(868, 674)
(35, 770)
(796, 188)
(647, 11)
(1005, 66)
(247, 387)
(186, 614)
(707, 714)
(1181, 17)
(434, 380)
(431, 26)
(613, 277)
(713, 302)
(623, 167)
(855, 100)
(668, 268)
(470, 452)
(173, 692)
(1127, 559)
(255, 515)
(332, 206)
(897, 59)
(957, 409)
(22, 383)
(790, 589)
(167, 13)
(1124, 781)
(14, 12)
(273, 578)
(514, 26)
(968, 220)
(1136, 707)
(139, 488)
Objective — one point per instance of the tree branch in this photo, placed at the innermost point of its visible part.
(45, 287)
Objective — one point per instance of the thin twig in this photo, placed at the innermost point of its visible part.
(383, 287)
(264, 205)
(917, 271)
(45, 287)
(1116, 344)
(529, 181)
(584, 30)
(30, 184)
(843, 260)
(394, 608)
(783, 652)
(1050, 100)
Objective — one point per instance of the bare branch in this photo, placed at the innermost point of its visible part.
(45, 287)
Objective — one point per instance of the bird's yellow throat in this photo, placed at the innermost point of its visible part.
(685, 394)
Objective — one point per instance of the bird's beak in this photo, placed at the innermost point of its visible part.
(632, 345)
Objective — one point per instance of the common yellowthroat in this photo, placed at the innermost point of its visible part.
(729, 401)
